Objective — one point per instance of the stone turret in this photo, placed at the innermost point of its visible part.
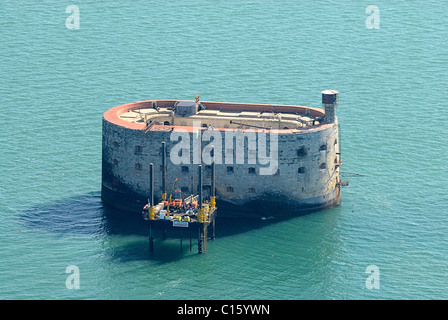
(330, 101)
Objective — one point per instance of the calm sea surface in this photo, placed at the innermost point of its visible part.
(56, 83)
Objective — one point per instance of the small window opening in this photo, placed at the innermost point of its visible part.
(138, 149)
(301, 152)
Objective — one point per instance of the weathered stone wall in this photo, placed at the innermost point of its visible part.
(307, 177)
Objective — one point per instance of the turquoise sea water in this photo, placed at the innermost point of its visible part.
(56, 83)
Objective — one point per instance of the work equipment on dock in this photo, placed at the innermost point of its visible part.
(189, 213)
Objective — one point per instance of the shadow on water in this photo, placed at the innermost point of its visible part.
(86, 215)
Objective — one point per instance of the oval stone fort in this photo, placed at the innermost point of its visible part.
(274, 160)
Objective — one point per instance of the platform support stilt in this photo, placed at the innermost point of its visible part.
(199, 240)
(205, 236)
(151, 240)
(181, 241)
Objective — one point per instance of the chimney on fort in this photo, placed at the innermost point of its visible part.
(329, 101)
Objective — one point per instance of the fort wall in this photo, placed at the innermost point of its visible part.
(307, 177)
